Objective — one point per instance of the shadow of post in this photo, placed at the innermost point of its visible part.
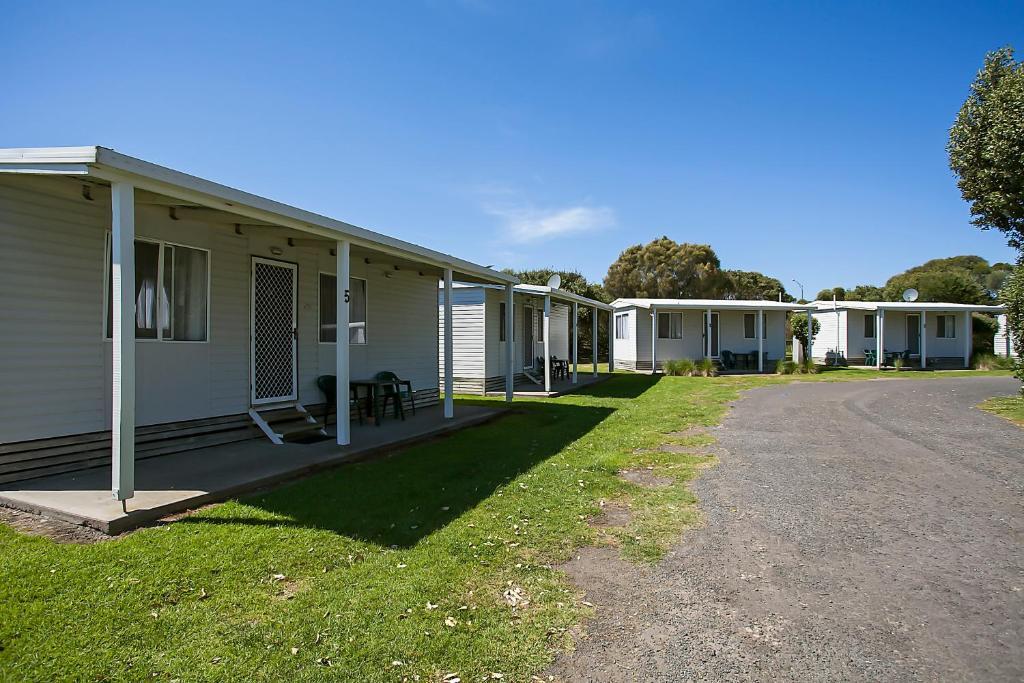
(399, 500)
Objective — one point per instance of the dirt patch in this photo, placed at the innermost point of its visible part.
(54, 529)
(698, 430)
(612, 514)
(645, 478)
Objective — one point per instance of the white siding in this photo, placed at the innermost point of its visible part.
(625, 349)
(1003, 339)
(56, 363)
(730, 331)
(829, 337)
(468, 332)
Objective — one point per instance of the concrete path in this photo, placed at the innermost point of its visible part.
(854, 531)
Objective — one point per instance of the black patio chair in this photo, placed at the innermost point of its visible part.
(728, 360)
(394, 390)
(328, 384)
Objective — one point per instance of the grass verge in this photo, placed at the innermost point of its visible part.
(1009, 407)
(435, 561)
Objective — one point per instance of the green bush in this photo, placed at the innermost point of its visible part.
(706, 367)
(681, 367)
(807, 367)
(989, 361)
(897, 364)
(785, 367)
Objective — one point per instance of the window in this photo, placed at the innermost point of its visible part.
(329, 309)
(946, 327)
(540, 325)
(501, 322)
(670, 326)
(869, 326)
(172, 292)
(622, 326)
(749, 323)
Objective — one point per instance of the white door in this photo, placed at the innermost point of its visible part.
(914, 333)
(273, 335)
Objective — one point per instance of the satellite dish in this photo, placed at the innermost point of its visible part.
(910, 294)
(555, 281)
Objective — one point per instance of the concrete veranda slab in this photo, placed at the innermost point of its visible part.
(182, 481)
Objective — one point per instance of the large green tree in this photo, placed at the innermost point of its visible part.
(665, 269)
(986, 147)
(574, 281)
(953, 286)
(751, 285)
(1012, 296)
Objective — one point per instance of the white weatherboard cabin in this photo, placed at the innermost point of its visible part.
(1004, 340)
(873, 333)
(739, 335)
(137, 300)
(545, 326)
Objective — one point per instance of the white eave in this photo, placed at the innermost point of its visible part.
(110, 166)
(714, 304)
(911, 306)
(561, 294)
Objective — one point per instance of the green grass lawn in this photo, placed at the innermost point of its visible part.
(376, 571)
(1010, 407)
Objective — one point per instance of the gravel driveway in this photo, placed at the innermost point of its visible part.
(854, 531)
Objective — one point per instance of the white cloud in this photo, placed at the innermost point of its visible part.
(537, 225)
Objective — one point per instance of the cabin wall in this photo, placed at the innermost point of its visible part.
(56, 361)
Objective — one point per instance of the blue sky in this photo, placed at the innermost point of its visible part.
(803, 140)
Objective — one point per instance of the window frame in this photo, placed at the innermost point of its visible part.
(108, 293)
(625, 326)
(753, 325)
(945, 326)
(670, 337)
(874, 332)
(502, 332)
(319, 310)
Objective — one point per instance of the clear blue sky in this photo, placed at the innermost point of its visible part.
(803, 140)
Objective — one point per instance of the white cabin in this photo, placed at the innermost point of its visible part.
(741, 335)
(1004, 340)
(870, 332)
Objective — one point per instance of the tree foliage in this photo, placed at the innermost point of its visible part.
(837, 293)
(1012, 296)
(865, 293)
(953, 286)
(986, 147)
(751, 285)
(665, 269)
(798, 328)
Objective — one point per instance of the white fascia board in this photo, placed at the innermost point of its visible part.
(714, 304)
(563, 295)
(112, 165)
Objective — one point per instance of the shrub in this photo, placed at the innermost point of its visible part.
(807, 367)
(681, 367)
(785, 367)
(897, 364)
(706, 367)
(988, 361)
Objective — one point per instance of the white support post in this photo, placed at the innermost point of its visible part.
(968, 334)
(593, 339)
(547, 342)
(760, 340)
(122, 264)
(611, 341)
(707, 332)
(654, 340)
(341, 346)
(923, 335)
(575, 338)
(510, 346)
(879, 338)
(449, 347)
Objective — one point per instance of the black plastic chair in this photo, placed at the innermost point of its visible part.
(328, 384)
(393, 390)
(728, 360)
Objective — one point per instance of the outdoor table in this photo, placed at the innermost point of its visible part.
(373, 394)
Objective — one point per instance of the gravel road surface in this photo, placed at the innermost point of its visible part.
(853, 531)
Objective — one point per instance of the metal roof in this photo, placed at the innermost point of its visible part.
(717, 304)
(110, 166)
(904, 306)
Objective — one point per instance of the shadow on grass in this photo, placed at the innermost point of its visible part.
(620, 386)
(399, 500)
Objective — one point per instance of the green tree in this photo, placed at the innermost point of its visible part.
(665, 269)
(986, 147)
(798, 329)
(574, 281)
(839, 293)
(953, 286)
(865, 293)
(1012, 296)
(751, 285)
